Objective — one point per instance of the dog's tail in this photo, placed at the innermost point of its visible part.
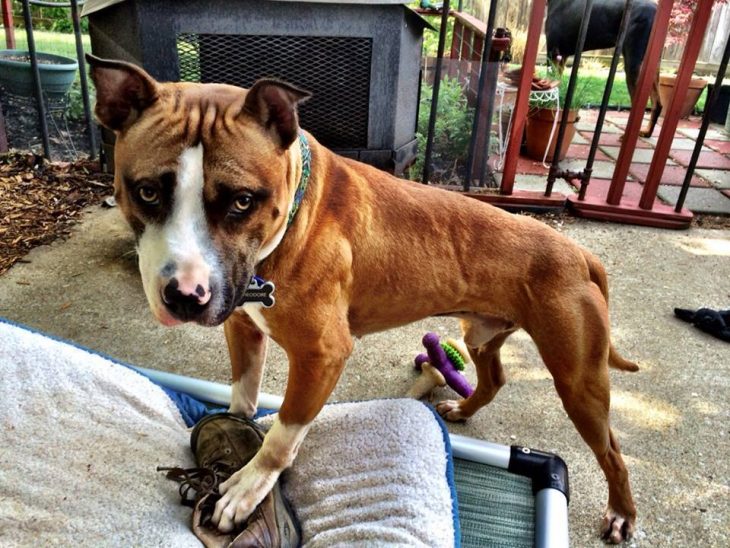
(616, 361)
(598, 277)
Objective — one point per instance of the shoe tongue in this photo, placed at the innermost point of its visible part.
(226, 441)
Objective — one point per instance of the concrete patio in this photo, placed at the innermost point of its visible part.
(671, 417)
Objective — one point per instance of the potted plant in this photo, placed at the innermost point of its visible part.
(666, 90)
(679, 21)
(541, 130)
(16, 77)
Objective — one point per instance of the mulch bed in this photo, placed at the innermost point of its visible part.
(41, 201)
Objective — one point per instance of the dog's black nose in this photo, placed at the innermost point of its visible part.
(182, 306)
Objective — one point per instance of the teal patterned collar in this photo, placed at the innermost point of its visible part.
(304, 180)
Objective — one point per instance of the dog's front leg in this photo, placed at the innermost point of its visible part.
(312, 377)
(247, 346)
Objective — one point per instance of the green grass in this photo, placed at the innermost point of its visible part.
(595, 81)
(52, 42)
(592, 83)
(590, 87)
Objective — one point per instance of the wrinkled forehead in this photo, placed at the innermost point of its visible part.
(191, 115)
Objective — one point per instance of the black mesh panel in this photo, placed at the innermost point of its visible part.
(335, 70)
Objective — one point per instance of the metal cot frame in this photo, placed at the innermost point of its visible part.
(548, 472)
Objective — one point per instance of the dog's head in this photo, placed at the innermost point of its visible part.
(205, 174)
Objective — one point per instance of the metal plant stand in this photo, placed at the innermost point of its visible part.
(44, 103)
(21, 112)
(539, 98)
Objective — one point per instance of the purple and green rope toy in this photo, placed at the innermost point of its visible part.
(448, 361)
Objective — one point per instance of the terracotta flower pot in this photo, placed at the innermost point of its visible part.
(666, 89)
(539, 127)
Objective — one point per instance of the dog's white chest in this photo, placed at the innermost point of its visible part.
(254, 312)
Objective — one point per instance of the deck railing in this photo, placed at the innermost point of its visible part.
(471, 41)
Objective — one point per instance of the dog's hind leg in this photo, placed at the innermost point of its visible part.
(483, 338)
(247, 346)
(656, 106)
(574, 343)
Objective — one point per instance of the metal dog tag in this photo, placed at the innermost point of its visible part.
(259, 291)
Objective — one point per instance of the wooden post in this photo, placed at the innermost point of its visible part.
(467, 39)
(475, 64)
(7, 8)
(674, 110)
(519, 116)
(457, 39)
(647, 74)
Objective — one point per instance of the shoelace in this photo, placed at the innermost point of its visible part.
(199, 481)
(195, 483)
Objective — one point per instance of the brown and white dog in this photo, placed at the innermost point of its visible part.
(207, 175)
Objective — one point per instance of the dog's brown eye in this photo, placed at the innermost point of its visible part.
(242, 204)
(148, 195)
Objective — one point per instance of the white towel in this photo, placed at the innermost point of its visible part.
(81, 436)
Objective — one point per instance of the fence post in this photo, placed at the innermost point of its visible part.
(475, 63)
(457, 40)
(36, 80)
(588, 170)
(435, 94)
(519, 115)
(482, 123)
(673, 111)
(647, 75)
(7, 9)
(709, 103)
(463, 59)
(82, 78)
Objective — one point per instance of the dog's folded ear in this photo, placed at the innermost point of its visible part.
(123, 91)
(274, 105)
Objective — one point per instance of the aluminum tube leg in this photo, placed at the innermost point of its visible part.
(551, 519)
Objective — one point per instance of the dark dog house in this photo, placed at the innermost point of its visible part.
(360, 60)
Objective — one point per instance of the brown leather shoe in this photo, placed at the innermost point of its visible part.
(222, 444)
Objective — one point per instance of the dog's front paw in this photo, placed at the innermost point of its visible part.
(241, 494)
(451, 410)
(616, 528)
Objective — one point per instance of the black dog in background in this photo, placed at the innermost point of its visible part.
(563, 25)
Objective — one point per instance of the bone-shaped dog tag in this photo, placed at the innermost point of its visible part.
(259, 291)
